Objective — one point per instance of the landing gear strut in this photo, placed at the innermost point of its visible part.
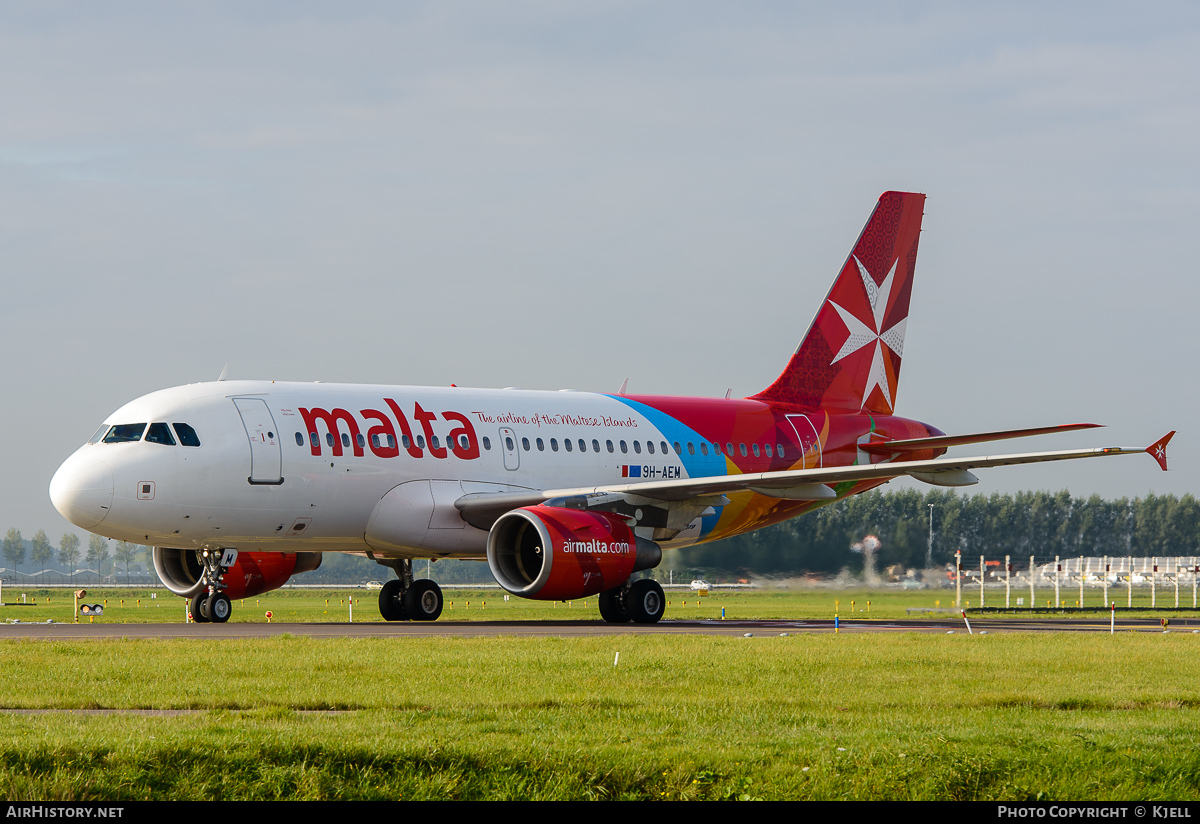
(211, 603)
(642, 602)
(403, 599)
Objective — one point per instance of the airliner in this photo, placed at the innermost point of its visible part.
(239, 485)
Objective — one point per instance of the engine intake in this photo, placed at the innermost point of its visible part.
(555, 554)
(253, 573)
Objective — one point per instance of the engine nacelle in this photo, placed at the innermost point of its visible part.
(555, 554)
(181, 571)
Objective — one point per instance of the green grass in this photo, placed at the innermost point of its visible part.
(303, 605)
(1070, 716)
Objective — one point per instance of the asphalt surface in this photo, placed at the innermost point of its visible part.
(571, 629)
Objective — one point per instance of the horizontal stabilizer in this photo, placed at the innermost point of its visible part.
(946, 441)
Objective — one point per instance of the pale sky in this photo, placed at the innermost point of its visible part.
(557, 195)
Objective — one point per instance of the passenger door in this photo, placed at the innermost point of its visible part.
(266, 458)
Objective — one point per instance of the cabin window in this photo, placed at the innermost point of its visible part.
(525, 444)
(742, 449)
(567, 443)
(420, 442)
(508, 443)
(464, 442)
(374, 441)
(312, 438)
(554, 444)
(663, 444)
(609, 444)
(716, 449)
(704, 449)
(691, 448)
(434, 443)
(624, 448)
(755, 448)
(125, 432)
(779, 449)
(767, 447)
(404, 440)
(650, 447)
(299, 439)
(487, 443)
(391, 441)
(160, 433)
(595, 445)
(540, 444)
(329, 438)
(345, 441)
(637, 447)
(582, 445)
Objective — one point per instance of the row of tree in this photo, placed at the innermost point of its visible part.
(42, 553)
(1042, 524)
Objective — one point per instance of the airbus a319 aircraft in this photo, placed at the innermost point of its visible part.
(238, 485)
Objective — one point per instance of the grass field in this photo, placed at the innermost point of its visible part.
(1013, 716)
(303, 605)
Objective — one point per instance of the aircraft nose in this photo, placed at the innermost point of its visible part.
(82, 490)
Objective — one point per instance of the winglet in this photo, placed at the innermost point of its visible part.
(1158, 449)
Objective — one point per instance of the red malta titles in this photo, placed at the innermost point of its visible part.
(381, 433)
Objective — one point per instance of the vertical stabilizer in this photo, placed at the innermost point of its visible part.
(850, 358)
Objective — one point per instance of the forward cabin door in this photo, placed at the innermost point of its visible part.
(266, 458)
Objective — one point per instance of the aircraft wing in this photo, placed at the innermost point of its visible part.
(799, 484)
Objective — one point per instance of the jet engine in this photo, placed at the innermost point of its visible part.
(555, 554)
(181, 571)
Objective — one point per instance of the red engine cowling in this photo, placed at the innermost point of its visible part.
(555, 554)
(252, 574)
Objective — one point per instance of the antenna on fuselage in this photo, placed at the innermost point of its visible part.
(224, 373)
(728, 393)
(624, 384)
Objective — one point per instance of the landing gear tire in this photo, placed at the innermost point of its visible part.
(645, 601)
(391, 604)
(423, 601)
(199, 608)
(219, 608)
(612, 607)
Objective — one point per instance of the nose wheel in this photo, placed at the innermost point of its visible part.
(211, 603)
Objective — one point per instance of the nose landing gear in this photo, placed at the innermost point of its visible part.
(211, 603)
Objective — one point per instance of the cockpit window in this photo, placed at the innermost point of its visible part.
(160, 433)
(124, 432)
(100, 433)
(187, 435)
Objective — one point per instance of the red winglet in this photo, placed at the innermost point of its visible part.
(1158, 449)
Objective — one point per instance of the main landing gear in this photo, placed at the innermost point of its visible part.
(409, 600)
(211, 603)
(641, 602)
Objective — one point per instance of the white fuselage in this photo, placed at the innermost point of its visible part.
(303, 466)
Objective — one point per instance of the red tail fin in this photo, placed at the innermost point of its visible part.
(850, 358)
